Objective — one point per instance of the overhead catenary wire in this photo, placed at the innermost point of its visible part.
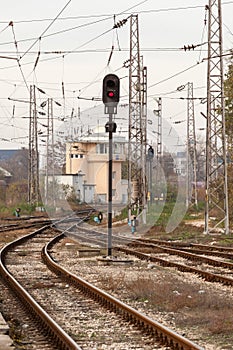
(46, 29)
(109, 15)
(38, 56)
(87, 50)
(203, 31)
(18, 55)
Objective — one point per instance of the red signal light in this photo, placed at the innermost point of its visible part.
(111, 90)
(110, 94)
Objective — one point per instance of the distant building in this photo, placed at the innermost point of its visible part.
(7, 153)
(181, 163)
(5, 177)
(5, 173)
(3, 186)
(87, 162)
(16, 163)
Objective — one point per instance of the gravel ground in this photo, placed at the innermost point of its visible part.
(114, 279)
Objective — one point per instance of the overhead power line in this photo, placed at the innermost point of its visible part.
(46, 29)
(109, 15)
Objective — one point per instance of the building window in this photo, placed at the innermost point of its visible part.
(117, 148)
(113, 175)
(77, 156)
(102, 148)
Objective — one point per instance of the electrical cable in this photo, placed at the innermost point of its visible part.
(38, 56)
(18, 56)
(47, 28)
(109, 15)
(174, 75)
(204, 29)
(4, 29)
(59, 32)
(177, 73)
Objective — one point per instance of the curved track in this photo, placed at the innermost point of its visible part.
(22, 259)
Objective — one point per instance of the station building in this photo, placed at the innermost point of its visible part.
(87, 168)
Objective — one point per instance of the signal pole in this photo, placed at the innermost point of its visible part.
(111, 96)
(216, 164)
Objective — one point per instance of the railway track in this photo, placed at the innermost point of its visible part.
(49, 333)
(222, 269)
(65, 305)
(160, 252)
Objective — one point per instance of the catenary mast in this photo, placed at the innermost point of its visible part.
(33, 173)
(191, 150)
(216, 165)
(137, 124)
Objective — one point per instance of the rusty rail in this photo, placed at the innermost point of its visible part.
(165, 335)
(211, 277)
(61, 338)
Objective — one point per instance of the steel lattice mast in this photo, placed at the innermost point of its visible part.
(216, 165)
(159, 149)
(137, 123)
(50, 155)
(191, 150)
(144, 139)
(33, 173)
(159, 135)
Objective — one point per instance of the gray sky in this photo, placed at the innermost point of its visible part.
(74, 41)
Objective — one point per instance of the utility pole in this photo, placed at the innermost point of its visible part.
(137, 124)
(216, 164)
(33, 173)
(191, 195)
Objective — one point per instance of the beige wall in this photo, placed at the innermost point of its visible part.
(95, 167)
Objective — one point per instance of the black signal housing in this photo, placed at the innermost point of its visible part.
(111, 90)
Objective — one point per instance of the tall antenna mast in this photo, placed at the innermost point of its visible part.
(216, 165)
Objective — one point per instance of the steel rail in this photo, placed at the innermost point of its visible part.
(61, 338)
(163, 334)
(211, 277)
(16, 227)
(188, 255)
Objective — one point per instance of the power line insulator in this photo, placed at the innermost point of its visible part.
(120, 23)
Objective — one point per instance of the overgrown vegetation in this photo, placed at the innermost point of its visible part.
(25, 209)
(181, 300)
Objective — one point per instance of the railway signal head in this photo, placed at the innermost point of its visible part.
(150, 153)
(111, 90)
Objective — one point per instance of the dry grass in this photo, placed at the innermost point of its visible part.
(191, 306)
